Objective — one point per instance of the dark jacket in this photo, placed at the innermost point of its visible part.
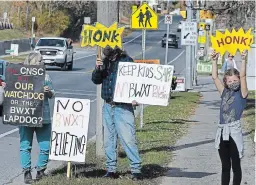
(107, 74)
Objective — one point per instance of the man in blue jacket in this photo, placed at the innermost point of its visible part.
(118, 118)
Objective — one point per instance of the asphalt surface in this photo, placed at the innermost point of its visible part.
(195, 159)
(77, 84)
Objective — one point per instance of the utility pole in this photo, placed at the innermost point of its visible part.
(32, 33)
(107, 14)
(188, 52)
(27, 16)
(143, 49)
(198, 5)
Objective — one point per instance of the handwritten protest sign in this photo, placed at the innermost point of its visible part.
(146, 83)
(232, 41)
(24, 95)
(69, 129)
(102, 36)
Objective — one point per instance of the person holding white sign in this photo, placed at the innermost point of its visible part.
(118, 118)
(43, 133)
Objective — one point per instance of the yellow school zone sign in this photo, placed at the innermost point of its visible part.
(102, 36)
(144, 18)
(232, 41)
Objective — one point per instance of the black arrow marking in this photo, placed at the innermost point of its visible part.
(186, 36)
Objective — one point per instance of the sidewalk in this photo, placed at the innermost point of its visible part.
(195, 160)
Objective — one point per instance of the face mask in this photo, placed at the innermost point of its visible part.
(234, 86)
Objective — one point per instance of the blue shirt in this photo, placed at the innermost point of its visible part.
(107, 76)
(232, 106)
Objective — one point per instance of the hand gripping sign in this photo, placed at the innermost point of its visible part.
(232, 41)
(102, 36)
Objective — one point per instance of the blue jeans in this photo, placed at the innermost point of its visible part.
(43, 135)
(119, 121)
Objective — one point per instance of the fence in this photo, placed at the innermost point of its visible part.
(24, 45)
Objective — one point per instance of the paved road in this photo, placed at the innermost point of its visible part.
(77, 84)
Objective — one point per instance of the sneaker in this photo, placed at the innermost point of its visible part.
(28, 177)
(137, 176)
(112, 175)
(40, 174)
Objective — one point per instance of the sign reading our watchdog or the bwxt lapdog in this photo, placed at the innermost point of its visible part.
(146, 83)
(69, 129)
(24, 95)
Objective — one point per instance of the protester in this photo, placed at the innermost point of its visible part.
(43, 134)
(118, 118)
(229, 63)
(229, 138)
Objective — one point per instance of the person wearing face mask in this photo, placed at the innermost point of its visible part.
(118, 118)
(229, 138)
(43, 133)
(229, 63)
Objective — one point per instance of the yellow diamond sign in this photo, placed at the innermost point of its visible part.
(144, 18)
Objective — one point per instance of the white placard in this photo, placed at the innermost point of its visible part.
(180, 84)
(188, 33)
(168, 19)
(33, 19)
(69, 129)
(87, 20)
(145, 83)
(15, 48)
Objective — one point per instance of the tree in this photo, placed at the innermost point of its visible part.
(76, 10)
(233, 14)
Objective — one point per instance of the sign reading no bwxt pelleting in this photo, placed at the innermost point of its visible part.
(188, 33)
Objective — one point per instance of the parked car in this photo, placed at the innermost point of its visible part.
(56, 51)
(179, 27)
(3, 64)
(172, 40)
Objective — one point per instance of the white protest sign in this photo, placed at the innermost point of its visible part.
(145, 83)
(69, 129)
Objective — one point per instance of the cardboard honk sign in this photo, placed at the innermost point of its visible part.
(102, 36)
(232, 41)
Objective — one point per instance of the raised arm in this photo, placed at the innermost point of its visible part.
(244, 89)
(215, 77)
(97, 73)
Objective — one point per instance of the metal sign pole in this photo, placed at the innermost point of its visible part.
(167, 44)
(143, 58)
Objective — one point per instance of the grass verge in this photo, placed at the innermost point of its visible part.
(163, 126)
(11, 34)
(15, 59)
(249, 114)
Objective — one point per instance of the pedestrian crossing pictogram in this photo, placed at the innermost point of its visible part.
(144, 18)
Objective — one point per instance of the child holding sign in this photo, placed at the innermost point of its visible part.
(229, 138)
(43, 133)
